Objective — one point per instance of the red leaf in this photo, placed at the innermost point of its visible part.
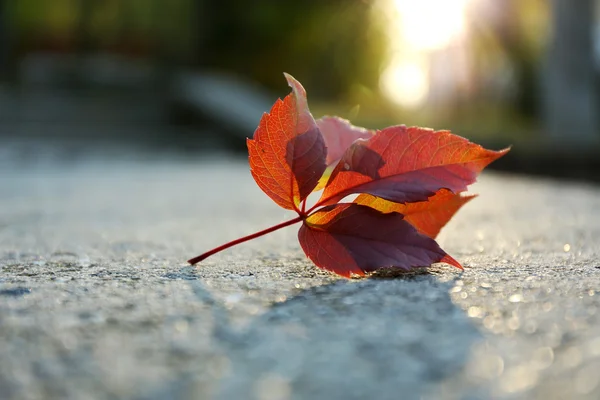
(288, 158)
(339, 134)
(403, 164)
(287, 153)
(428, 217)
(354, 239)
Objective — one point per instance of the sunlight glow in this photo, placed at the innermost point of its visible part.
(405, 83)
(417, 29)
(431, 24)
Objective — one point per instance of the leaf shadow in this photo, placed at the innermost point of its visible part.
(305, 155)
(363, 160)
(353, 339)
(399, 273)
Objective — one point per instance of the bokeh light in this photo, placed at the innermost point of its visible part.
(430, 24)
(417, 29)
(405, 82)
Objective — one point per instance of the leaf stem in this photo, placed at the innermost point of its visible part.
(244, 239)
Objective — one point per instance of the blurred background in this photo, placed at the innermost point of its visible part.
(191, 76)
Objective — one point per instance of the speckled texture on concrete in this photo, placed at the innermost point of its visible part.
(96, 301)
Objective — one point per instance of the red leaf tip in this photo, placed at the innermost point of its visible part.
(297, 87)
(449, 260)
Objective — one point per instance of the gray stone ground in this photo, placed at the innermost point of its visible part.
(97, 302)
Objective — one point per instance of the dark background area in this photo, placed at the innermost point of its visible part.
(188, 77)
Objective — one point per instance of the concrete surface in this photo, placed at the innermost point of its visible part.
(96, 301)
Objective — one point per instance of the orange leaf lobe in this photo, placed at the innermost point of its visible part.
(403, 165)
(428, 217)
(287, 153)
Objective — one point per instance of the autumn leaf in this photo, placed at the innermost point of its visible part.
(429, 216)
(403, 165)
(338, 134)
(287, 153)
(354, 239)
(409, 182)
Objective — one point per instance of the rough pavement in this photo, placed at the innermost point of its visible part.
(96, 301)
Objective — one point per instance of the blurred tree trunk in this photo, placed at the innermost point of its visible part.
(5, 42)
(570, 98)
(83, 43)
(509, 32)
